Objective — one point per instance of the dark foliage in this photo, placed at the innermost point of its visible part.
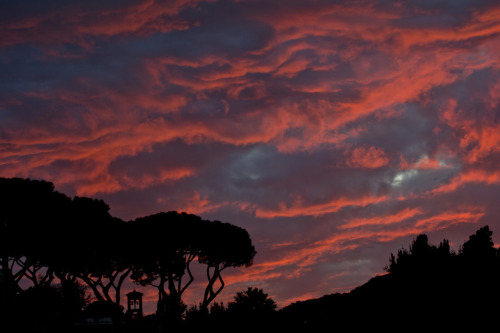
(46, 236)
(171, 241)
(252, 301)
(104, 309)
(426, 286)
(252, 310)
(45, 308)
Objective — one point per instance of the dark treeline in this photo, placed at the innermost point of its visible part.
(251, 310)
(57, 253)
(62, 259)
(427, 287)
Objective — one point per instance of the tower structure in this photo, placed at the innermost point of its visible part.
(134, 301)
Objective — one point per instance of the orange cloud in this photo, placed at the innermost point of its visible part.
(383, 219)
(440, 221)
(80, 22)
(353, 21)
(196, 204)
(199, 205)
(449, 218)
(368, 158)
(299, 208)
(478, 138)
(311, 254)
(124, 182)
(486, 140)
(470, 177)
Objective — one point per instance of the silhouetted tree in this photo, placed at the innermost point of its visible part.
(40, 306)
(420, 258)
(480, 245)
(171, 309)
(47, 307)
(31, 214)
(225, 245)
(435, 284)
(196, 316)
(168, 243)
(252, 302)
(479, 273)
(92, 249)
(217, 310)
(174, 240)
(251, 309)
(74, 298)
(104, 309)
(46, 234)
(444, 249)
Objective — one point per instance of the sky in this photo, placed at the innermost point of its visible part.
(334, 132)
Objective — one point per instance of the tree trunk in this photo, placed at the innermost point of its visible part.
(118, 287)
(210, 294)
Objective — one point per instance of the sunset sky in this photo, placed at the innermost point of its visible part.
(333, 131)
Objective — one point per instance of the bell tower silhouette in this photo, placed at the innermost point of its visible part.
(134, 301)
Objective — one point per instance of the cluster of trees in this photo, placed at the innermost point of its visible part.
(46, 236)
(425, 286)
(250, 310)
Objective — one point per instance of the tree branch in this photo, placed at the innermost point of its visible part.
(13, 262)
(93, 285)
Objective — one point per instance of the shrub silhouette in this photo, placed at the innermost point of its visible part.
(252, 301)
(251, 309)
(103, 309)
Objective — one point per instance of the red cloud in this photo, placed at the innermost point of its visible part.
(299, 208)
(469, 177)
(478, 137)
(368, 158)
(199, 205)
(79, 23)
(310, 254)
(450, 218)
(382, 219)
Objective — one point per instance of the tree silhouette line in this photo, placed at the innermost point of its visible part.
(57, 253)
(46, 236)
(426, 287)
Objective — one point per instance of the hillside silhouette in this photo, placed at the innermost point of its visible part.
(64, 260)
(426, 286)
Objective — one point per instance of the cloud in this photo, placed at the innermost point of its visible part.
(370, 158)
(63, 22)
(473, 176)
(298, 208)
(383, 220)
